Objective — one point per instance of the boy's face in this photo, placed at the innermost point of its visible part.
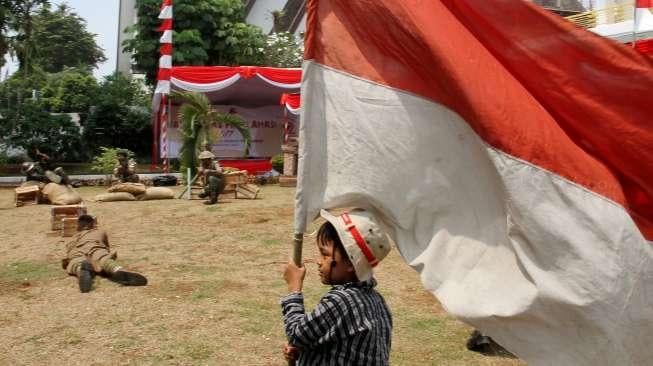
(333, 268)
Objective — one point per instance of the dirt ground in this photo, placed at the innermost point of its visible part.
(212, 298)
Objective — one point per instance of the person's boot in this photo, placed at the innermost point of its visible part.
(85, 277)
(202, 195)
(213, 198)
(128, 278)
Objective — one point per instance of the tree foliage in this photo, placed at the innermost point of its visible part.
(206, 32)
(17, 25)
(29, 124)
(72, 90)
(199, 127)
(63, 41)
(282, 49)
(120, 117)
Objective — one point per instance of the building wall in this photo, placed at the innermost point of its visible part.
(261, 13)
(126, 18)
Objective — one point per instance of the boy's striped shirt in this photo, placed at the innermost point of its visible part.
(351, 325)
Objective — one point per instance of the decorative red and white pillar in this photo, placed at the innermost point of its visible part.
(163, 79)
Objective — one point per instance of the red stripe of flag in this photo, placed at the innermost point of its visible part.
(644, 4)
(166, 49)
(164, 74)
(166, 24)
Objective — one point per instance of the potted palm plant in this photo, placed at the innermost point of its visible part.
(199, 127)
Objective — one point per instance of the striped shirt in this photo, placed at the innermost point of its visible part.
(351, 325)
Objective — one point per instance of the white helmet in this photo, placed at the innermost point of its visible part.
(366, 244)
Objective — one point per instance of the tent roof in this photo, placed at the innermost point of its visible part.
(292, 101)
(247, 86)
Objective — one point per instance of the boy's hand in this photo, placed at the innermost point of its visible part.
(294, 276)
(290, 352)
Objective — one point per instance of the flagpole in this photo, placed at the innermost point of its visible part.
(634, 23)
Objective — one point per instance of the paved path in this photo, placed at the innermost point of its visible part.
(17, 180)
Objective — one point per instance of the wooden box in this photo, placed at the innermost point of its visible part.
(77, 210)
(247, 191)
(27, 195)
(68, 226)
(58, 213)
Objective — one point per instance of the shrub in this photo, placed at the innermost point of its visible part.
(277, 163)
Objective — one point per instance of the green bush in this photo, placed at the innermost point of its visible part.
(277, 163)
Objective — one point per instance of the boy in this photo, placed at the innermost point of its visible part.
(87, 253)
(351, 325)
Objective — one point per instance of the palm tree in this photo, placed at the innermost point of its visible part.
(198, 127)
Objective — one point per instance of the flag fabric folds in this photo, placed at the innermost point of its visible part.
(508, 153)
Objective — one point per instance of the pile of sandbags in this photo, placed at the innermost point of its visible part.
(133, 192)
(59, 194)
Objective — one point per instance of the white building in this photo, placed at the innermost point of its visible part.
(127, 17)
(289, 15)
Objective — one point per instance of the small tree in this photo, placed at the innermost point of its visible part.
(199, 127)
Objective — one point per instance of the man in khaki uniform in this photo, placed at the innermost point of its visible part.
(125, 170)
(87, 253)
(210, 173)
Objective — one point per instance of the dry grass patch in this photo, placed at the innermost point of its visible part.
(212, 298)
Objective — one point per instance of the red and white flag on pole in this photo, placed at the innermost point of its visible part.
(163, 77)
(510, 155)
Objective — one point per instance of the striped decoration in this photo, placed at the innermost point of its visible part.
(163, 77)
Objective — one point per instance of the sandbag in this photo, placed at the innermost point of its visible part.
(157, 193)
(59, 194)
(30, 183)
(115, 196)
(133, 188)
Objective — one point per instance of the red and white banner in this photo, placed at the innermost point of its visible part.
(266, 126)
(292, 102)
(508, 153)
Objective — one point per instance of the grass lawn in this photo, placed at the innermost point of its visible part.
(212, 298)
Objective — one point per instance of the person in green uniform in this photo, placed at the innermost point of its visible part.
(125, 169)
(87, 253)
(211, 178)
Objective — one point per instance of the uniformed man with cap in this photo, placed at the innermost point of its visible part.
(125, 169)
(35, 172)
(87, 253)
(211, 178)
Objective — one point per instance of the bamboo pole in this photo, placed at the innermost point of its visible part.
(188, 183)
(297, 259)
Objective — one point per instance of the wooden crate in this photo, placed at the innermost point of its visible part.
(27, 195)
(69, 225)
(59, 213)
(77, 210)
(247, 191)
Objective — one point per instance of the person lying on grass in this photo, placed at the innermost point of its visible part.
(351, 324)
(87, 253)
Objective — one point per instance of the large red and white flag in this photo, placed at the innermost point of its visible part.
(510, 155)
